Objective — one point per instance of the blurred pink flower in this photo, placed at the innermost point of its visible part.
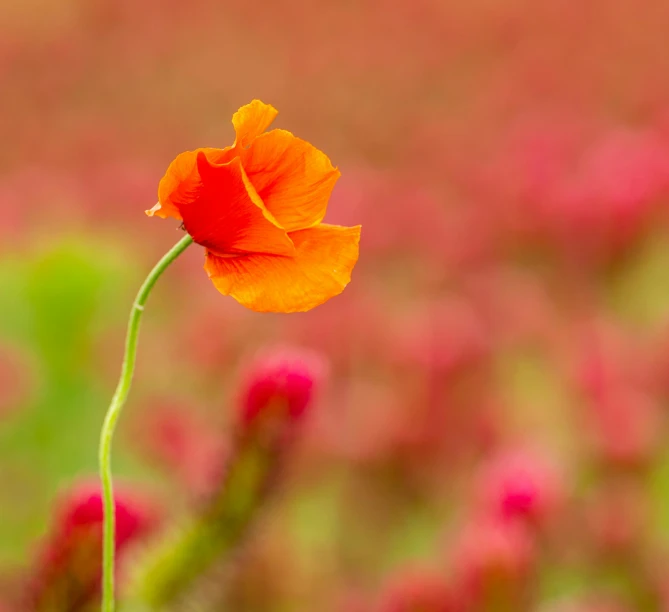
(581, 190)
(280, 383)
(67, 570)
(610, 200)
(520, 484)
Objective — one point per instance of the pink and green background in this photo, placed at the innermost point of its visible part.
(501, 354)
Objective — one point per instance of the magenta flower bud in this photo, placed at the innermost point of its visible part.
(281, 383)
(68, 567)
(276, 394)
(523, 485)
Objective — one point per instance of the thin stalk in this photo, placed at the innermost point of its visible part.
(113, 412)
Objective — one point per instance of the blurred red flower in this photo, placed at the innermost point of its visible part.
(67, 570)
(280, 383)
(520, 484)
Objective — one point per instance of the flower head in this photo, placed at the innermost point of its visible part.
(521, 484)
(68, 567)
(282, 381)
(257, 207)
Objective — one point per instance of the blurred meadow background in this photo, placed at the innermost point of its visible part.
(491, 433)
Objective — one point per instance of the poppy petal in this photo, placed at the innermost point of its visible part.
(292, 177)
(321, 268)
(219, 207)
(252, 120)
(181, 181)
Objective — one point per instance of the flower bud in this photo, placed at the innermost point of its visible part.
(520, 485)
(275, 396)
(68, 568)
(280, 383)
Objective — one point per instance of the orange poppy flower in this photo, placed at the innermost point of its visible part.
(257, 208)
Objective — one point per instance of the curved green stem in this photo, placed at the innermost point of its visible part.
(113, 412)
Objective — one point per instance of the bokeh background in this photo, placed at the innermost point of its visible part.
(493, 427)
